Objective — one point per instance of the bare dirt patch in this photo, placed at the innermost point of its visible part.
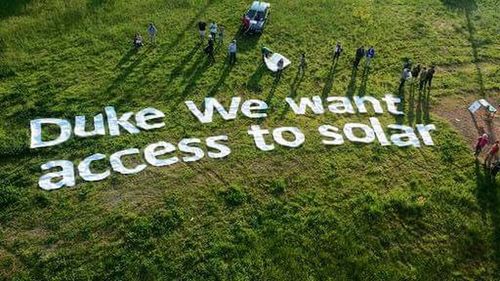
(454, 109)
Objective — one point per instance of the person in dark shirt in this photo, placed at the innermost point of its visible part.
(202, 27)
(209, 50)
(337, 51)
(360, 53)
(415, 71)
(430, 75)
(423, 79)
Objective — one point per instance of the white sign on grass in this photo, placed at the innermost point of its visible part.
(61, 173)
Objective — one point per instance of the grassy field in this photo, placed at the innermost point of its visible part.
(351, 212)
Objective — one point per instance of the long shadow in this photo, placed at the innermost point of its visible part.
(132, 51)
(364, 81)
(10, 8)
(273, 90)
(126, 71)
(401, 106)
(246, 42)
(193, 79)
(329, 80)
(351, 88)
(488, 199)
(427, 105)
(468, 7)
(411, 104)
(419, 110)
(176, 71)
(297, 80)
(225, 73)
(253, 83)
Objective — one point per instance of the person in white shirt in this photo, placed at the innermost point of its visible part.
(232, 52)
(213, 30)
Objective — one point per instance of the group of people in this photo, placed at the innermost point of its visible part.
(369, 54)
(417, 73)
(491, 161)
(216, 35)
(152, 31)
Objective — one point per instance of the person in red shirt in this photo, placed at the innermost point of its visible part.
(492, 154)
(482, 141)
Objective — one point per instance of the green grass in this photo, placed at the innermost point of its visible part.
(350, 212)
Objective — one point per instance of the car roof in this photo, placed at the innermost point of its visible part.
(259, 6)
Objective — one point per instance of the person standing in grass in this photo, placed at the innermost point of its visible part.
(232, 52)
(213, 30)
(360, 53)
(337, 51)
(152, 33)
(202, 27)
(210, 49)
(404, 76)
(423, 78)
(430, 75)
(492, 154)
(370, 54)
(482, 141)
(415, 71)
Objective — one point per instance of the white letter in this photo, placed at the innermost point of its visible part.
(84, 168)
(115, 123)
(360, 104)
(258, 136)
(117, 164)
(250, 105)
(210, 104)
(379, 132)
(330, 132)
(397, 139)
(196, 151)
(391, 104)
(98, 126)
(317, 106)
(369, 135)
(299, 137)
(342, 105)
(36, 132)
(223, 149)
(143, 116)
(424, 130)
(160, 148)
(67, 174)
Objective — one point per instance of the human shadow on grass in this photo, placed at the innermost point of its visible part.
(426, 104)
(201, 66)
(253, 83)
(222, 78)
(329, 80)
(489, 200)
(401, 106)
(364, 81)
(176, 71)
(351, 88)
(411, 104)
(126, 71)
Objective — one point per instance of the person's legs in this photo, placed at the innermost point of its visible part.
(368, 59)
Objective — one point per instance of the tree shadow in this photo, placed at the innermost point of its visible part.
(364, 81)
(351, 88)
(253, 82)
(488, 199)
(329, 81)
(468, 7)
(10, 8)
